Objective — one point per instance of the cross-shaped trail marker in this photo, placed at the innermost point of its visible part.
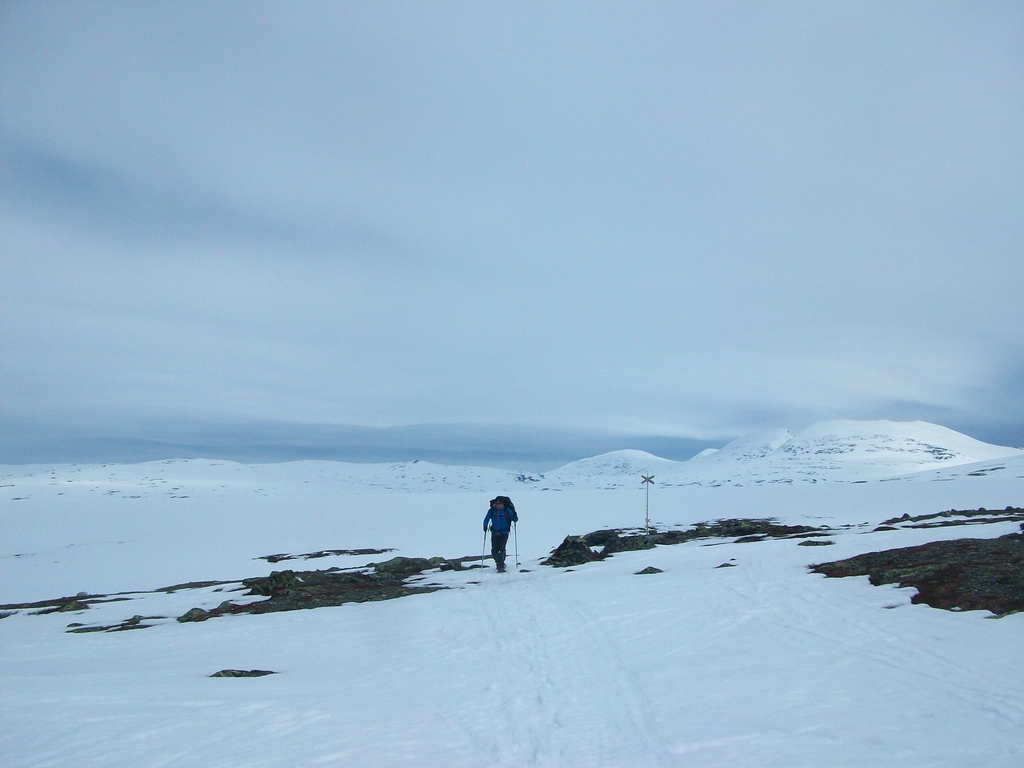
(647, 482)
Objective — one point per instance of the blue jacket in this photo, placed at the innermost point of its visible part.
(501, 520)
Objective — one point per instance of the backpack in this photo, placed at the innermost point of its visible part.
(507, 502)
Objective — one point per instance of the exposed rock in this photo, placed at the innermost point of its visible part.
(323, 553)
(402, 567)
(192, 585)
(575, 550)
(298, 590)
(243, 673)
(54, 606)
(135, 622)
(286, 591)
(649, 569)
(980, 516)
(74, 605)
(816, 543)
(277, 583)
(195, 614)
(603, 538)
(962, 574)
(572, 551)
(726, 565)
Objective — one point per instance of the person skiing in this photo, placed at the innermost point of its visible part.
(500, 516)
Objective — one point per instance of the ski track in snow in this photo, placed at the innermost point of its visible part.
(557, 650)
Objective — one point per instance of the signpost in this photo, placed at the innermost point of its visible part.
(648, 481)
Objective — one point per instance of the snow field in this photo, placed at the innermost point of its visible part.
(760, 664)
(65, 531)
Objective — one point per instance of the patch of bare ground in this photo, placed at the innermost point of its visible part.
(576, 550)
(322, 553)
(951, 517)
(300, 590)
(957, 575)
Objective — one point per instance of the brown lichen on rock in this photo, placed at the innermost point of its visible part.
(135, 622)
(298, 590)
(958, 575)
(951, 517)
(573, 550)
(576, 550)
(322, 553)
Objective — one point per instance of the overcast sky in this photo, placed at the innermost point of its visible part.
(676, 219)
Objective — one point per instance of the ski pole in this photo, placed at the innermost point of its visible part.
(515, 533)
(483, 548)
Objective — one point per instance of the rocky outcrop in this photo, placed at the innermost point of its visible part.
(576, 550)
(322, 553)
(573, 550)
(980, 516)
(135, 622)
(958, 575)
(298, 590)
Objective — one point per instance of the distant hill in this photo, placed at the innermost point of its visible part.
(829, 451)
(826, 451)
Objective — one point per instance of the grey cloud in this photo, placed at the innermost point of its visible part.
(646, 219)
(528, 449)
(118, 207)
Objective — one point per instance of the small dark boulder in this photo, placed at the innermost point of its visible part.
(195, 614)
(815, 543)
(572, 551)
(612, 541)
(602, 538)
(74, 605)
(243, 673)
(649, 569)
(277, 583)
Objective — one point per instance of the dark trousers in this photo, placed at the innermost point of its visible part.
(498, 542)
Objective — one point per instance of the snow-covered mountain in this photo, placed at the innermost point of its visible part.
(756, 445)
(840, 450)
(609, 470)
(829, 451)
(834, 451)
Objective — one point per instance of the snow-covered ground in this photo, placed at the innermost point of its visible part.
(761, 664)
